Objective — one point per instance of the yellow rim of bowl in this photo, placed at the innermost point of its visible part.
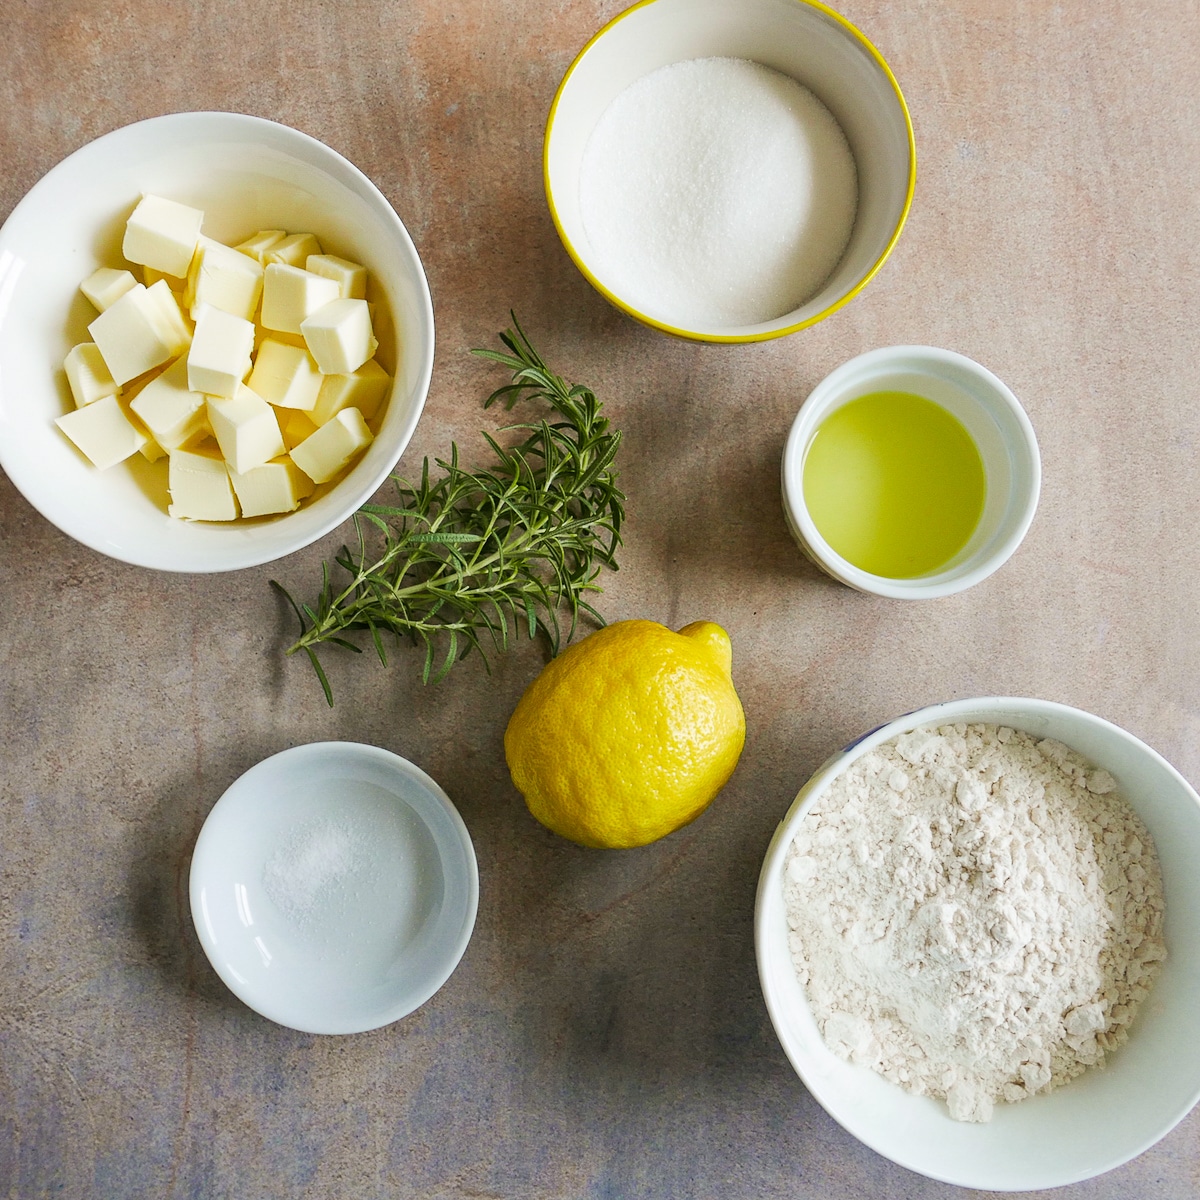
(689, 334)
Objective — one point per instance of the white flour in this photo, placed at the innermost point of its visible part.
(974, 914)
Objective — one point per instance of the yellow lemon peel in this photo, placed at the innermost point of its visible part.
(628, 734)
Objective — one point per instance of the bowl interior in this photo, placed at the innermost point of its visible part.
(334, 887)
(993, 417)
(246, 174)
(1099, 1120)
(794, 37)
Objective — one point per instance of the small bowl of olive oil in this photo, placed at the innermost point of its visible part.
(910, 472)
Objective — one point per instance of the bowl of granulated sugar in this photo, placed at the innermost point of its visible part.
(334, 887)
(978, 938)
(729, 172)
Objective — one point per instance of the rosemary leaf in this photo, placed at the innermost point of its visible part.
(462, 556)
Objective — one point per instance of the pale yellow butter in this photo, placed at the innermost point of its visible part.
(327, 451)
(225, 279)
(150, 277)
(294, 250)
(275, 487)
(339, 336)
(200, 488)
(172, 412)
(350, 277)
(106, 285)
(258, 245)
(216, 370)
(152, 451)
(103, 432)
(246, 429)
(134, 334)
(88, 375)
(274, 335)
(363, 389)
(295, 426)
(285, 376)
(291, 295)
(219, 358)
(162, 234)
(179, 332)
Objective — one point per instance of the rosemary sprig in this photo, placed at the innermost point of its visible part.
(470, 557)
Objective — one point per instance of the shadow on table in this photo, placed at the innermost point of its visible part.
(162, 915)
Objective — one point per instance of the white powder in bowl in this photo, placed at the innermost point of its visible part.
(317, 868)
(975, 914)
(717, 192)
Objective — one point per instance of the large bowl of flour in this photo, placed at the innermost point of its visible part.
(729, 172)
(1022, 963)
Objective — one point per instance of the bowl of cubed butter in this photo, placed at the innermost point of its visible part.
(216, 339)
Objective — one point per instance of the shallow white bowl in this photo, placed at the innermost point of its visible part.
(246, 174)
(993, 417)
(334, 887)
(801, 38)
(1096, 1122)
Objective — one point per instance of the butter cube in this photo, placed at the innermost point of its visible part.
(106, 285)
(172, 412)
(274, 335)
(225, 279)
(102, 431)
(285, 376)
(162, 234)
(363, 389)
(87, 374)
(351, 278)
(152, 451)
(295, 426)
(220, 354)
(134, 333)
(327, 451)
(293, 251)
(200, 488)
(275, 487)
(258, 245)
(339, 336)
(150, 277)
(291, 295)
(134, 386)
(174, 322)
(246, 429)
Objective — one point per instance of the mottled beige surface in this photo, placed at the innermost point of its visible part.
(604, 1036)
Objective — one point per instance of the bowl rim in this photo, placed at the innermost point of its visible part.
(208, 841)
(942, 713)
(249, 553)
(724, 338)
(917, 359)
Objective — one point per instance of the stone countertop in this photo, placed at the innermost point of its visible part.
(604, 1035)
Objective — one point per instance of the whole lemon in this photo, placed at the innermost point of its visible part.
(629, 734)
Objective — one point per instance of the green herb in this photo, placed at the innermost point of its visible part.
(475, 557)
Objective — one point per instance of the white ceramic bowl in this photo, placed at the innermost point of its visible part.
(246, 174)
(334, 887)
(801, 38)
(993, 417)
(1096, 1122)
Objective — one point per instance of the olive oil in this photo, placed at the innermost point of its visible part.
(894, 483)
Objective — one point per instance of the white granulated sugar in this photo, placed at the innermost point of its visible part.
(717, 192)
(318, 866)
(975, 914)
